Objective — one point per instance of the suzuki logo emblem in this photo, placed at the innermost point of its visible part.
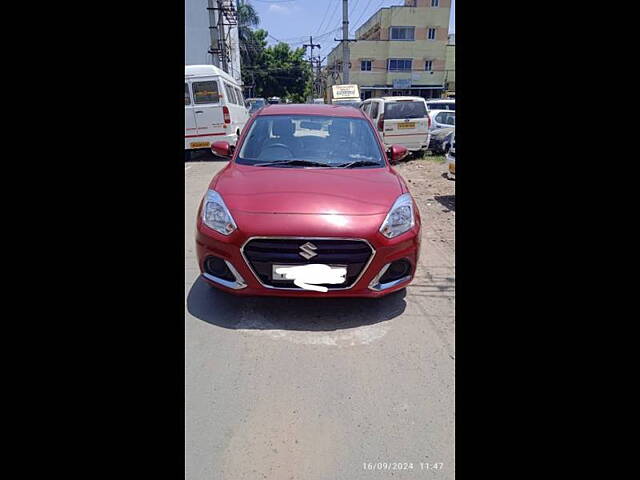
(307, 250)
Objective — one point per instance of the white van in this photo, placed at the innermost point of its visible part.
(401, 120)
(214, 107)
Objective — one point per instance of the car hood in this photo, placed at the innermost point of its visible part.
(358, 191)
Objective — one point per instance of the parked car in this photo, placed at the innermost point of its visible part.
(318, 101)
(213, 107)
(451, 159)
(402, 120)
(442, 119)
(255, 104)
(274, 100)
(441, 104)
(441, 140)
(308, 206)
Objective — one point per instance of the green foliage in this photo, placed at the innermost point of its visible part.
(276, 71)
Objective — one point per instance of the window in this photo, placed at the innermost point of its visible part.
(428, 65)
(402, 33)
(399, 64)
(187, 97)
(231, 95)
(374, 110)
(365, 66)
(404, 109)
(446, 118)
(205, 92)
(435, 3)
(328, 140)
(365, 107)
(431, 34)
(239, 96)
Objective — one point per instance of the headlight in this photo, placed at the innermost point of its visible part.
(216, 215)
(400, 218)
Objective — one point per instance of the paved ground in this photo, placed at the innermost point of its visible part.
(313, 389)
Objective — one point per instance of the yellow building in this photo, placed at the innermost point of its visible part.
(400, 50)
(450, 65)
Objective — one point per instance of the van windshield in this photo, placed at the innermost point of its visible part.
(325, 141)
(398, 110)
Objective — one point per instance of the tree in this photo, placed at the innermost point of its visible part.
(275, 71)
(247, 18)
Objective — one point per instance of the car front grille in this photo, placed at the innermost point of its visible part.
(262, 253)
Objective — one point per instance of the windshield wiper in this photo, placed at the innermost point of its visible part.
(309, 163)
(359, 163)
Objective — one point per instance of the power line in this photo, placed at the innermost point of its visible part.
(325, 16)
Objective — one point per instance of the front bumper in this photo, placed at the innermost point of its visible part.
(405, 246)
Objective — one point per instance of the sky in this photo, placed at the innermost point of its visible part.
(292, 21)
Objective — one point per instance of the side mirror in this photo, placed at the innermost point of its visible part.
(396, 153)
(222, 149)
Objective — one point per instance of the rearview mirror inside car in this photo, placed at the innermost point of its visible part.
(222, 149)
(396, 153)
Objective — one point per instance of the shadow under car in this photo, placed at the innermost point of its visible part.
(290, 313)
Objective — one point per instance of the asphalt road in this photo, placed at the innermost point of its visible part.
(314, 389)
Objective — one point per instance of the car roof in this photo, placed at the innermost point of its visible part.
(207, 71)
(401, 98)
(310, 109)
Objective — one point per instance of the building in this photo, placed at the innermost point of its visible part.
(450, 65)
(197, 36)
(400, 50)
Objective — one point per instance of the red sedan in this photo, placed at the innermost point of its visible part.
(308, 206)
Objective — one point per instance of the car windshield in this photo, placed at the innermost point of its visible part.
(406, 109)
(318, 140)
(256, 105)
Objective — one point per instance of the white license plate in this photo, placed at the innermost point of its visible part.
(285, 272)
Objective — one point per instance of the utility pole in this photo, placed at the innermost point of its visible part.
(222, 15)
(345, 41)
(223, 47)
(314, 75)
(214, 34)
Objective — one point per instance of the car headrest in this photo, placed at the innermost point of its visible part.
(283, 127)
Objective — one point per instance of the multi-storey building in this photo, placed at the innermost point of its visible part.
(400, 50)
(197, 37)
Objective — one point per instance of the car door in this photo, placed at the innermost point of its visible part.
(189, 115)
(207, 107)
(406, 122)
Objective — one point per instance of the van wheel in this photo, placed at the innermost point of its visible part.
(187, 155)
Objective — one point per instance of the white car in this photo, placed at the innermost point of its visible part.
(400, 120)
(451, 159)
(214, 108)
(442, 119)
(441, 104)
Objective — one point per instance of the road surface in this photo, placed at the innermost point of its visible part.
(324, 389)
